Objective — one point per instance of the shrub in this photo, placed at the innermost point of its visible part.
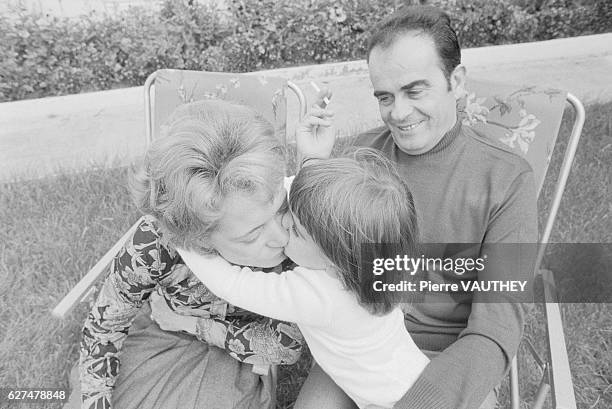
(488, 22)
(566, 18)
(43, 56)
(292, 32)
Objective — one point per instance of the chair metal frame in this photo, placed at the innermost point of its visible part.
(556, 375)
(85, 288)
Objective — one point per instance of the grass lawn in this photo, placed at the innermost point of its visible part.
(54, 229)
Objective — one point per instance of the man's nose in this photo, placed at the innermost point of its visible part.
(402, 109)
(279, 236)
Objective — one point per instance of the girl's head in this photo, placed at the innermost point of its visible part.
(347, 205)
(214, 181)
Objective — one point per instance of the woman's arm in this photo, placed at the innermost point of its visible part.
(134, 274)
(263, 341)
(250, 339)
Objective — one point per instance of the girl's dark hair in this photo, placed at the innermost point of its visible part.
(356, 208)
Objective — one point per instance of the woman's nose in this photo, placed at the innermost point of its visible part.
(279, 236)
(287, 220)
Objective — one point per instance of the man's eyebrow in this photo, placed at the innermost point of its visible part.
(414, 84)
(407, 87)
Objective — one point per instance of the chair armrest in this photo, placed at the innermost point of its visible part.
(82, 289)
(560, 374)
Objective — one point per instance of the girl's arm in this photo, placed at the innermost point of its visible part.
(299, 296)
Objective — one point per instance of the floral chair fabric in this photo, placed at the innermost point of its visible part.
(174, 87)
(526, 119)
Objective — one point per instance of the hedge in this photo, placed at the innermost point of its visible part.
(44, 56)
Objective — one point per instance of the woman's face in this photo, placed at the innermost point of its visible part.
(250, 231)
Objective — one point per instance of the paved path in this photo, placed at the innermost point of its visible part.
(43, 136)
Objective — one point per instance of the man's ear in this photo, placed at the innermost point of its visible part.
(457, 81)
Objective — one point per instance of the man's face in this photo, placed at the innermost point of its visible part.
(250, 231)
(414, 97)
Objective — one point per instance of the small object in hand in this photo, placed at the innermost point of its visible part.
(317, 89)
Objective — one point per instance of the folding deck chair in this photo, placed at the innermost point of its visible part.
(526, 119)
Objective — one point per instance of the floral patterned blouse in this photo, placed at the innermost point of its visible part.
(145, 264)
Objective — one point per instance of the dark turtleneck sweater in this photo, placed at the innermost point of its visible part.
(467, 189)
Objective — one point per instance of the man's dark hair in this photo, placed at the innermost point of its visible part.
(420, 20)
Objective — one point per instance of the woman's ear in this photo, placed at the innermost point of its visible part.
(457, 81)
(203, 247)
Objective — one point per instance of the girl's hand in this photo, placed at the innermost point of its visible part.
(315, 136)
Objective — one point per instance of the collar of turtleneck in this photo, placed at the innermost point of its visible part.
(446, 140)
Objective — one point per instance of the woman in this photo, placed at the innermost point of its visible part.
(214, 182)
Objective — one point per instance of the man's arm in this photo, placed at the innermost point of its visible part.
(463, 374)
(314, 136)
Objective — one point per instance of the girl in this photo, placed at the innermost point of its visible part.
(341, 209)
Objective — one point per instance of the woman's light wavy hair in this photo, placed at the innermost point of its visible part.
(356, 208)
(208, 150)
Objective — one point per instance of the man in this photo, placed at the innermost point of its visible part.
(467, 189)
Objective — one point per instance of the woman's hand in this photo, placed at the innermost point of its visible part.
(315, 136)
(168, 320)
